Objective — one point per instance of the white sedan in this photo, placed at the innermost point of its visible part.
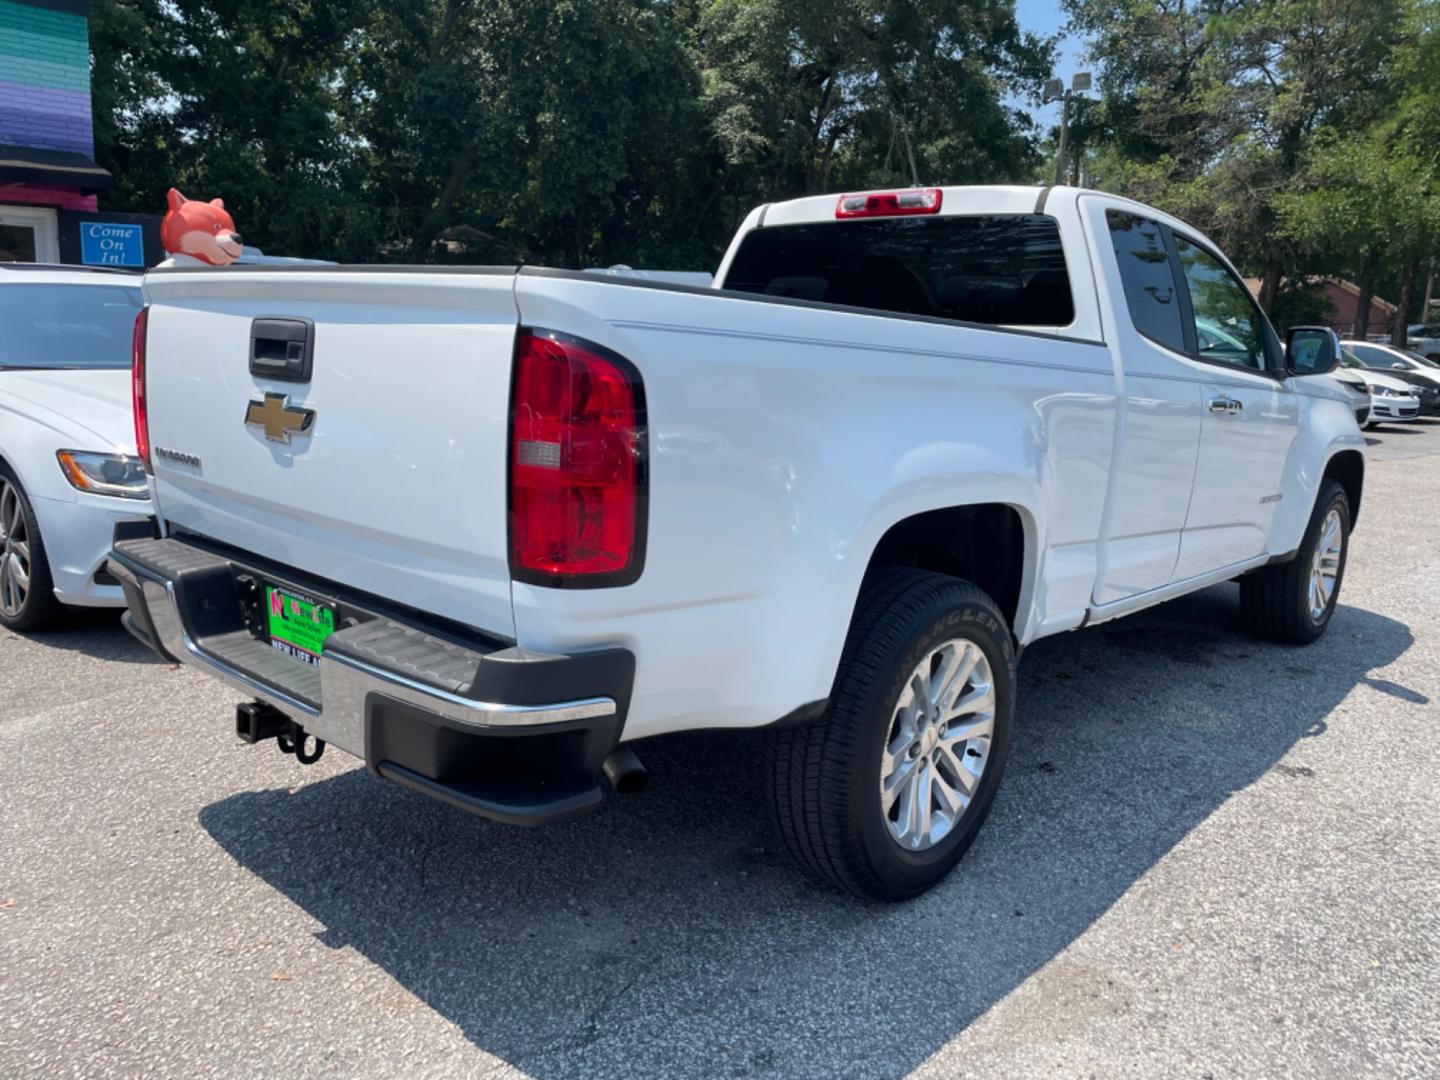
(68, 471)
(1377, 356)
(1391, 399)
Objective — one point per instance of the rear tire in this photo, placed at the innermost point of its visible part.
(27, 593)
(881, 798)
(1287, 602)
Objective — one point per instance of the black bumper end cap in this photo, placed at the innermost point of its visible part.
(560, 807)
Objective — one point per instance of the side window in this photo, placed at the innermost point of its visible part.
(1371, 357)
(1228, 325)
(1150, 290)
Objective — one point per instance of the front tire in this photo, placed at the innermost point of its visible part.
(27, 593)
(884, 793)
(1293, 602)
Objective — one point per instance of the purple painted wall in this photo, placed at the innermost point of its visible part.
(45, 90)
(48, 118)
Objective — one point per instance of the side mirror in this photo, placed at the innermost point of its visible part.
(1311, 350)
(1398, 367)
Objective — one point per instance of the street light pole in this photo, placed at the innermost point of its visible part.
(1064, 138)
(1055, 91)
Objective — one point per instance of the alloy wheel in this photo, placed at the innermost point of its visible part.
(938, 744)
(1326, 565)
(14, 551)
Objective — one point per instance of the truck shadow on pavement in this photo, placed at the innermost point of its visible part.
(667, 934)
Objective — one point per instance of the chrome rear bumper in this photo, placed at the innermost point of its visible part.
(404, 700)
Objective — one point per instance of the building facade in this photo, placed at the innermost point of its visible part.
(49, 180)
(1343, 298)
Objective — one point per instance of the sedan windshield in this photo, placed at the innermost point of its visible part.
(67, 326)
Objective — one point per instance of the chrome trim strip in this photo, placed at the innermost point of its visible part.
(484, 714)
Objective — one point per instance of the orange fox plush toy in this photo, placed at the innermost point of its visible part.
(200, 230)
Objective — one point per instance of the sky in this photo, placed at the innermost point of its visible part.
(1045, 17)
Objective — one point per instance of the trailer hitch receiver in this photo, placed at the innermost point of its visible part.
(256, 721)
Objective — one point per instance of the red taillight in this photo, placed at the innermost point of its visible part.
(577, 464)
(137, 386)
(889, 203)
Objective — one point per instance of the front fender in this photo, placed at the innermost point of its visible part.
(1327, 428)
(29, 447)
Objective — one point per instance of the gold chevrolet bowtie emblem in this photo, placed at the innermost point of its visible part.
(279, 418)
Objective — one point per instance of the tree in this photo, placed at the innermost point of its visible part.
(573, 132)
(1212, 106)
(232, 97)
(801, 93)
(551, 130)
(1352, 208)
(129, 48)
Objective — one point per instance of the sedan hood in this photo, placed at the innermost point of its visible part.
(88, 409)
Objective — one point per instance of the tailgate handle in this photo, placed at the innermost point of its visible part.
(282, 348)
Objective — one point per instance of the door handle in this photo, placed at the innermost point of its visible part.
(1226, 405)
(282, 348)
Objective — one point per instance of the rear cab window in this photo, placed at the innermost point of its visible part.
(994, 270)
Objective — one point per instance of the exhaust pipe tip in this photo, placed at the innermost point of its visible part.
(624, 771)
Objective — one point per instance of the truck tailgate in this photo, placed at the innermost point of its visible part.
(398, 486)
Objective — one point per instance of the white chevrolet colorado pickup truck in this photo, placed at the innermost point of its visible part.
(485, 527)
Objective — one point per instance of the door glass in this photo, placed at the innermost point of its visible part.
(1228, 326)
(1150, 291)
(17, 243)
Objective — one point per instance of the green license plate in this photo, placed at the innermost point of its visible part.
(298, 624)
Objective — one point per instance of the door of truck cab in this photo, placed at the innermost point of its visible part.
(1206, 422)
(1250, 415)
(1158, 437)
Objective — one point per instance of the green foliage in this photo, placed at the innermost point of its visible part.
(236, 99)
(572, 132)
(1304, 135)
(867, 92)
(1301, 305)
(1291, 130)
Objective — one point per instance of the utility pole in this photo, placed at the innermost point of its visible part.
(1429, 294)
(1055, 91)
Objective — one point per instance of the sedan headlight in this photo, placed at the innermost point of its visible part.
(1385, 391)
(104, 474)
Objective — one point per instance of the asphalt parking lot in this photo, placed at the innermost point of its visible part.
(1211, 856)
